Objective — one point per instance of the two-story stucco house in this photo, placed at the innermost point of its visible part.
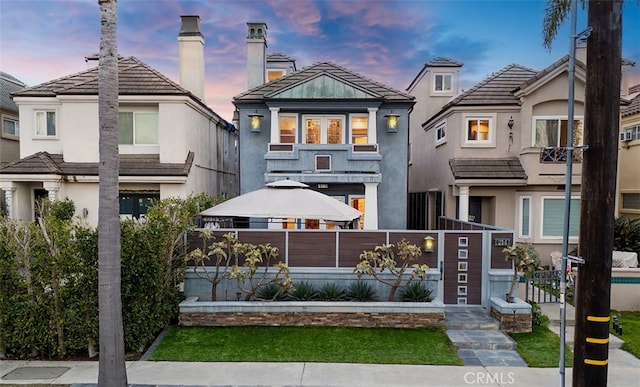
(328, 127)
(629, 158)
(495, 153)
(171, 143)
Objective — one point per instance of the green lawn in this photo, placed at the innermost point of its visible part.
(541, 348)
(308, 344)
(630, 331)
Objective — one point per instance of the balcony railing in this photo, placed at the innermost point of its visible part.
(558, 155)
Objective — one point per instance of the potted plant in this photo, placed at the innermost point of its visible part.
(526, 260)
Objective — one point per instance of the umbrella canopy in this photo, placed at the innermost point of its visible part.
(285, 199)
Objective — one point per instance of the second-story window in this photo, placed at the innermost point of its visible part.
(45, 125)
(288, 128)
(359, 129)
(442, 82)
(478, 129)
(441, 134)
(323, 129)
(10, 126)
(138, 128)
(552, 132)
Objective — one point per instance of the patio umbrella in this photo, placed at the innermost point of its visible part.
(285, 199)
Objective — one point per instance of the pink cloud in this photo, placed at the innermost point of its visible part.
(301, 16)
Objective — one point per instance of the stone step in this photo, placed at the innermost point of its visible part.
(480, 339)
(473, 325)
(470, 319)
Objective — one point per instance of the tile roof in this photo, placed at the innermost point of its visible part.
(487, 169)
(8, 85)
(632, 108)
(262, 92)
(130, 165)
(559, 63)
(134, 77)
(443, 62)
(279, 57)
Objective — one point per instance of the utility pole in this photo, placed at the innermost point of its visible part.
(598, 196)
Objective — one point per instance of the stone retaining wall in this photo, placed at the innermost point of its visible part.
(341, 314)
(514, 317)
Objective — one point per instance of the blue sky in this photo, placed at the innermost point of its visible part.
(385, 40)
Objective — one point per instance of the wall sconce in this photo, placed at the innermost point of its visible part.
(510, 123)
(428, 244)
(392, 122)
(255, 122)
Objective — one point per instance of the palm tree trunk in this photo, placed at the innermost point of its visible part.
(111, 370)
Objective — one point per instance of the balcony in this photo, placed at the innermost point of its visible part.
(334, 161)
(558, 155)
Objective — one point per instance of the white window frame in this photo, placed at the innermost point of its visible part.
(521, 214)
(134, 112)
(16, 125)
(36, 123)
(324, 127)
(444, 76)
(295, 118)
(441, 133)
(552, 117)
(359, 115)
(572, 238)
(350, 198)
(488, 143)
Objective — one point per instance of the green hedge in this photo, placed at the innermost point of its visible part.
(49, 279)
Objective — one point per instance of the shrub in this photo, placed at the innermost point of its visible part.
(538, 319)
(332, 292)
(360, 291)
(626, 235)
(271, 292)
(416, 292)
(303, 291)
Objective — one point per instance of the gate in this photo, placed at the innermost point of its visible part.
(544, 286)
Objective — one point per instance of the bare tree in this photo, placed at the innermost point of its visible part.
(602, 110)
(112, 370)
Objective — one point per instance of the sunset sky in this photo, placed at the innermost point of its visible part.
(385, 40)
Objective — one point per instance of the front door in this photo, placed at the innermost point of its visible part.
(475, 209)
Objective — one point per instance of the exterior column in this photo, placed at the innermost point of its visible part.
(8, 198)
(370, 206)
(52, 188)
(275, 126)
(463, 203)
(373, 129)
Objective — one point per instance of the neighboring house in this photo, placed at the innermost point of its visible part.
(171, 143)
(629, 158)
(9, 125)
(335, 130)
(495, 153)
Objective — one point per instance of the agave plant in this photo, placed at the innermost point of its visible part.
(361, 291)
(332, 292)
(303, 291)
(416, 292)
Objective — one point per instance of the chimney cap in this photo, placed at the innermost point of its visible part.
(190, 25)
(256, 30)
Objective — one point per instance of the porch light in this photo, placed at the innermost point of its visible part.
(392, 122)
(428, 244)
(510, 123)
(255, 121)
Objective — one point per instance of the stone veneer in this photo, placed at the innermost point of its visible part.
(514, 317)
(312, 313)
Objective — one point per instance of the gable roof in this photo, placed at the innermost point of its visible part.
(8, 85)
(323, 80)
(442, 61)
(632, 108)
(497, 89)
(487, 169)
(130, 165)
(134, 78)
(564, 61)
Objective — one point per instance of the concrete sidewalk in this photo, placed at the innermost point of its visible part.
(299, 374)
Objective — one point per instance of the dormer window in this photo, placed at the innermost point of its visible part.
(442, 83)
(272, 75)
